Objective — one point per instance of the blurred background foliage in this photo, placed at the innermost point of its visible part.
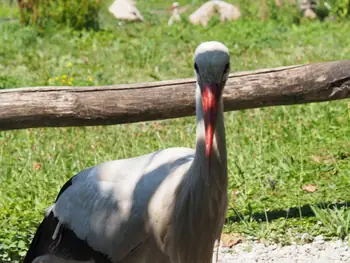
(86, 14)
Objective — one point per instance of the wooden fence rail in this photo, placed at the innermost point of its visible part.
(87, 106)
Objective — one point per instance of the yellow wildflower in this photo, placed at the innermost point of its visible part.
(69, 64)
(69, 83)
(91, 78)
(56, 78)
(63, 81)
(50, 79)
(64, 76)
(70, 79)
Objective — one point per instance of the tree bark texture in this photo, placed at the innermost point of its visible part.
(89, 106)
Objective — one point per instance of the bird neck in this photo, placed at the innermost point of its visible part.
(201, 198)
(175, 11)
(212, 169)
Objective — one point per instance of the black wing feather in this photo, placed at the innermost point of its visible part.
(66, 245)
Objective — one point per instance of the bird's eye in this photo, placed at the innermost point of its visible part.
(227, 67)
(196, 67)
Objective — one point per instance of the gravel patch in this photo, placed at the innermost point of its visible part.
(319, 250)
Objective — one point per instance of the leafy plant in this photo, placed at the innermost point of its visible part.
(8, 82)
(78, 14)
(288, 13)
(336, 221)
(339, 8)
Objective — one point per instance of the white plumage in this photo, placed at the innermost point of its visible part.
(176, 13)
(115, 206)
(203, 14)
(168, 206)
(125, 10)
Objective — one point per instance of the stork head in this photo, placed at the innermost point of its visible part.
(174, 5)
(212, 67)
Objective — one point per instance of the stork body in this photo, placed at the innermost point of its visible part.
(165, 207)
(203, 14)
(125, 10)
(175, 16)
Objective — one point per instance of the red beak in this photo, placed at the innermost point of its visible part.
(171, 8)
(210, 95)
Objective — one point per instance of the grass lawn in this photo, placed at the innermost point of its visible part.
(273, 152)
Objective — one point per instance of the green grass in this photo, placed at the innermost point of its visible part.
(336, 221)
(277, 144)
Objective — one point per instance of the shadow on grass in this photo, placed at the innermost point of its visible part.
(292, 212)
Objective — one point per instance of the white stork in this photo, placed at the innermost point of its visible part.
(125, 10)
(176, 12)
(175, 16)
(203, 14)
(165, 207)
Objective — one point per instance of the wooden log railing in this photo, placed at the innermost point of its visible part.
(88, 106)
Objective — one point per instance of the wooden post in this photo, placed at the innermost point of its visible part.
(87, 106)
